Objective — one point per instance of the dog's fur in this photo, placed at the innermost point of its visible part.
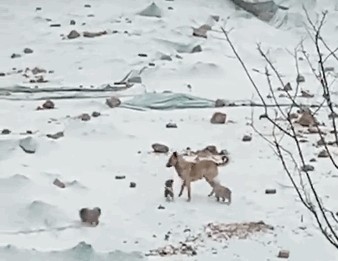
(168, 189)
(90, 216)
(193, 171)
(221, 192)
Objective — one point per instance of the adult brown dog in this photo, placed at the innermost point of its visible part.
(193, 171)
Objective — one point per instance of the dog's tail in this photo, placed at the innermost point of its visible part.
(225, 160)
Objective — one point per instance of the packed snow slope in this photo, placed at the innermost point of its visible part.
(39, 221)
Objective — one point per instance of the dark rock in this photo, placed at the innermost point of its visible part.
(307, 168)
(38, 9)
(329, 69)
(2, 74)
(160, 207)
(37, 70)
(93, 34)
(85, 117)
(300, 78)
(288, 87)
(166, 57)
(96, 114)
(284, 254)
(15, 55)
(113, 102)
(5, 131)
(132, 185)
(160, 148)
(218, 118)
(220, 103)
(55, 25)
(73, 34)
(313, 160)
(142, 55)
(72, 22)
(246, 138)
(27, 50)
(59, 183)
(196, 49)
(323, 154)
(87, 6)
(120, 177)
(48, 105)
(171, 125)
(270, 191)
(56, 135)
(215, 17)
(306, 94)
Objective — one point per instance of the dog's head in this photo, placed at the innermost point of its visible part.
(172, 160)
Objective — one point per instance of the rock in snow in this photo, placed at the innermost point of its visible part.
(152, 11)
(28, 144)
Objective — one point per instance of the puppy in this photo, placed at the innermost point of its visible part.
(221, 192)
(168, 190)
(90, 216)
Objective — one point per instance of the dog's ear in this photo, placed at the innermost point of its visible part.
(175, 154)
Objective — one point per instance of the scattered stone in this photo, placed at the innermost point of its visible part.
(306, 94)
(307, 168)
(160, 207)
(170, 8)
(303, 140)
(142, 55)
(306, 119)
(300, 78)
(28, 145)
(200, 32)
(113, 102)
(171, 125)
(15, 55)
(196, 49)
(93, 34)
(166, 57)
(313, 160)
(29, 132)
(283, 254)
(59, 183)
(215, 17)
(96, 114)
(48, 105)
(160, 148)
(120, 177)
(246, 138)
(323, 154)
(220, 103)
(37, 70)
(282, 95)
(27, 50)
(56, 135)
(270, 191)
(132, 185)
(87, 6)
(218, 118)
(41, 79)
(72, 22)
(321, 142)
(287, 87)
(151, 11)
(73, 34)
(55, 25)
(5, 132)
(2, 74)
(269, 96)
(38, 9)
(151, 64)
(85, 117)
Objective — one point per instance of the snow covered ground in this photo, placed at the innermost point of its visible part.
(39, 221)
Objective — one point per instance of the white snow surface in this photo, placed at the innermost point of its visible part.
(40, 221)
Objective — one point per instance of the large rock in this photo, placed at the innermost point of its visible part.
(218, 118)
(160, 148)
(28, 145)
(306, 119)
(73, 34)
(113, 102)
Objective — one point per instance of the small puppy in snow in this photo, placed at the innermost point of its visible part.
(90, 216)
(221, 192)
(168, 190)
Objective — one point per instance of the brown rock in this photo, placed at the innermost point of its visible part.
(323, 154)
(306, 119)
(59, 183)
(284, 254)
(218, 118)
(48, 105)
(113, 102)
(160, 148)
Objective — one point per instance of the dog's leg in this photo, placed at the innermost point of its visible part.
(217, 198)
(182, 188)
(189, 191)
(211, 193)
